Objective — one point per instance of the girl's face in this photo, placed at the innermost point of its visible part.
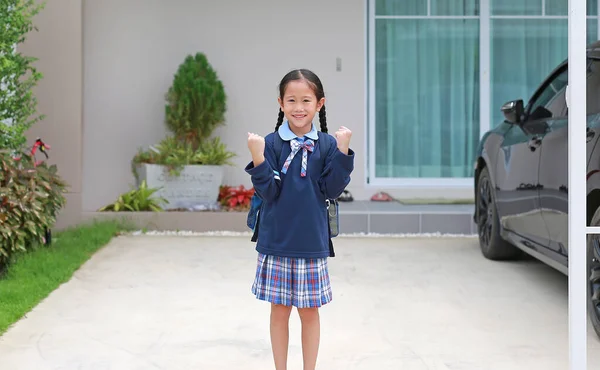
(300, 104)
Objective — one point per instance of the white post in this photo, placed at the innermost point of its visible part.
(577, 186)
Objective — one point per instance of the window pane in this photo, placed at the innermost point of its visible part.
(557, 7)
(400, 7)
(592, 30)
(560, 7)
(551, 102)
(592, 7)
(427, 97)
(455, 7)
(523, 53)
(516, 7)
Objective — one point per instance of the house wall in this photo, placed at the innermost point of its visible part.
(132, 49)
(58, 45)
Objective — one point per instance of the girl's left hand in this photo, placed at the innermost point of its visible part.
(342, 136)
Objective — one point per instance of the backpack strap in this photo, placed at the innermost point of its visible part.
(278, 147)
(324, 144)
(277, 143)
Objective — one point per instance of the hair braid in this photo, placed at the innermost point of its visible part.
(279, 119)
(323, 119)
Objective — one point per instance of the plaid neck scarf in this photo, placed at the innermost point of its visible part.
(296, 145)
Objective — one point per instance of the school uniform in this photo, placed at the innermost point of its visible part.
(293, 237)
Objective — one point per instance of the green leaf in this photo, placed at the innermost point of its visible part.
(136, 200)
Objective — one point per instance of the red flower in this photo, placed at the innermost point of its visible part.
(235, 198)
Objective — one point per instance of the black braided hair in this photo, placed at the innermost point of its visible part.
(323, 119)
(279, 119)
(314, 82)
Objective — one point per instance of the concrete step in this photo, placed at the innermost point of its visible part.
(355, 217)
(397, 218)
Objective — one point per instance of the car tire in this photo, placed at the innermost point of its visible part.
(593, 273)
(492, 245)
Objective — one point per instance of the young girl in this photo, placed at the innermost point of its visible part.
(293, 233)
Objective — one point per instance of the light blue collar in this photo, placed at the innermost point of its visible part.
(286, 134)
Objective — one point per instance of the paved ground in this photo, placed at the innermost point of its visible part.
(184, 303)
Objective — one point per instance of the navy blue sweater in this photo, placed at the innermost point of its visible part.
(293, 221)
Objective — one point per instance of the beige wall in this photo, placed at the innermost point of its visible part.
(58, 45)
(132, 48)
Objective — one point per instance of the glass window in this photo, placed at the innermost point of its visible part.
(523, 53)
(455, 7)
(592, 30)
(560, 7)
(550, 103)
(592, 7)
(427, 97)
(516, 7)
(404, 7)
(426, 77)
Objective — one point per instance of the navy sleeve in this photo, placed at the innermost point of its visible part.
(264, 178)
(338, 167)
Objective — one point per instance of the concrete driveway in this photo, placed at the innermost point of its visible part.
(154, 302)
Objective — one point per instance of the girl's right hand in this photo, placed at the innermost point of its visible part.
(256, 145)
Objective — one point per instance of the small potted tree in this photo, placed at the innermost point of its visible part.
(188, 164)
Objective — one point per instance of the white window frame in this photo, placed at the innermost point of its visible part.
(371, 181)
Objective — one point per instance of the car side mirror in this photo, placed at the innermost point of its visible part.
(513, 111)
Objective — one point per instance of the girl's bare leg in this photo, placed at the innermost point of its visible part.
(280, 334)
(311, 335)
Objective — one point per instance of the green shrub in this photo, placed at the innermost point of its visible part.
(30, 199)
(196, 106)
(137, 200)
(18, 74)
(196, 101)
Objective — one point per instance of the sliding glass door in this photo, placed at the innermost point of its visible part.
(438, 72)
(426, 78)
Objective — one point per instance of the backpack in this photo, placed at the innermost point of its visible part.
(253, 219)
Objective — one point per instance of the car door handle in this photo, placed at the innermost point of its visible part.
(589, 135)
(534, 143)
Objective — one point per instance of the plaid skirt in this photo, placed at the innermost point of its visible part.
(300, 282)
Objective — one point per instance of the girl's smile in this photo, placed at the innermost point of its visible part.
(299, 117)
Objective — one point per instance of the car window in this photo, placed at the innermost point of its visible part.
(550, 103)
(593, 87)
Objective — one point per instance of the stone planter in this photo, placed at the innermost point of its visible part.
(196, 187)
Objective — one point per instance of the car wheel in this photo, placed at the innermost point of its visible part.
(491, 243)
(593, 268)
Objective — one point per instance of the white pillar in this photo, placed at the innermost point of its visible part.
(577, 186)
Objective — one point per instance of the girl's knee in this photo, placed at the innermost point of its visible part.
(308, 314)
(280, 311)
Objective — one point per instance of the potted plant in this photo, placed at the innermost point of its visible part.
(188, 164)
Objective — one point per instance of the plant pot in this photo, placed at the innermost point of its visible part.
(196, 187)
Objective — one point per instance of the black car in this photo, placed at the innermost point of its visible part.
(521, 179)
